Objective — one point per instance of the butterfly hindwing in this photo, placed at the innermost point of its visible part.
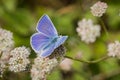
(38, 40)
(46, 26)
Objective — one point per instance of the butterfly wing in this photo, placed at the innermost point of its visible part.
(60, 41)
(47, 51)
(38, 40)
(46, 26)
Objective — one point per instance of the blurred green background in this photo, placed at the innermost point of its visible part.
(21, 16)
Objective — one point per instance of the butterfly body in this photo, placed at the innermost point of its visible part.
(46, 40)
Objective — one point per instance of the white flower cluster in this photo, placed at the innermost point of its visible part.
(99, 8)
(6, 41)
(88, 31)
(114, 49)
(6, 44)
(42, 67)
(16, 59)
(19, 59)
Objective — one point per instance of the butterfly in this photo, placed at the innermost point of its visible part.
(46, 40)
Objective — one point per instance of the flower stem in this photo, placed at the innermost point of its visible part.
(89, 62)
(104, 27)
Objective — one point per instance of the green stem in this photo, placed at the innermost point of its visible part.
(104, 27)
(90, 62)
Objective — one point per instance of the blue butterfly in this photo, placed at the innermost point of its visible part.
(46, 40)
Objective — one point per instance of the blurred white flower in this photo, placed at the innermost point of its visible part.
(66, 64)
(78, 55)
(19, 59)
(114, 49)
(99, 8)
(42, 67)
(3, 62)
(6, 41)
(6, 44)
(2, 67)
(88, 31)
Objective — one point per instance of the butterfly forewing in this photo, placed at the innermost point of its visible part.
(46, 26)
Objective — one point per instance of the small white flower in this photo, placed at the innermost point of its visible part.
(19, 59)
(79, 55)
(88, 31)
(66, 64)
(99, 8)
(42, 67)
(6, 41)
(114, 49)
